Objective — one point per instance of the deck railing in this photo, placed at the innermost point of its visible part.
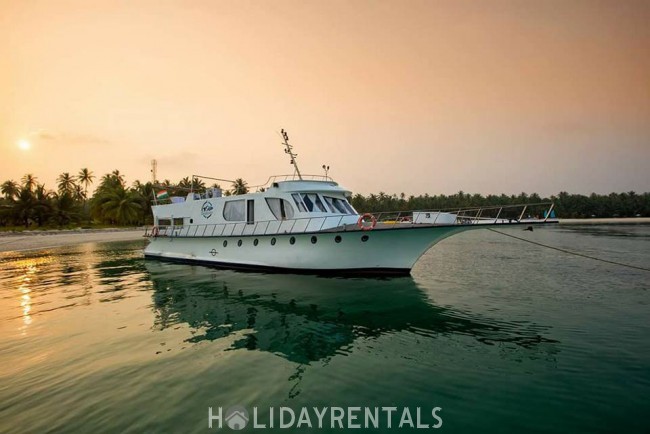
(493, 215)
(270, 227)
(292, 177)
(476, 215)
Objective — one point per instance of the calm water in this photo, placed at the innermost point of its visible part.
(503, 336)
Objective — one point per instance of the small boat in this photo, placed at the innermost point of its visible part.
(306, 224)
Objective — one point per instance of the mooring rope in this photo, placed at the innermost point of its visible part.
(570, 252)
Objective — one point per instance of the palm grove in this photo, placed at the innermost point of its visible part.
(29, 203)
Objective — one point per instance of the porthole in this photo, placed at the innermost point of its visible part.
(191, 221)
(364, 238)
(225, 243)
(292, 240)
(314, 240)
(256, 242)
(273, 241)
(338, 239)
(239, 243)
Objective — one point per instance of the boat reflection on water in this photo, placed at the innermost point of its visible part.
(309, 318)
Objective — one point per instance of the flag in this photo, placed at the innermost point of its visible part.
(162, 195)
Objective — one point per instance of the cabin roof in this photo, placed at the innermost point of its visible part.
(309, 186)
(289, 186)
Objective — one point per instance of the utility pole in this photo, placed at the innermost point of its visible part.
(154, 170)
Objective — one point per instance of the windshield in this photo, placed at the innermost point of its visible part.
(337, 205)
(313, 202)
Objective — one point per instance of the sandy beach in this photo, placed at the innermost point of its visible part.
(33, 240)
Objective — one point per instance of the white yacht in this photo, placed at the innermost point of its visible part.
(306, 224)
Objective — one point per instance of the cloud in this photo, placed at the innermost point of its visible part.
(69, 139)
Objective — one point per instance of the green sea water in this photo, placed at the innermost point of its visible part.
(500, 335)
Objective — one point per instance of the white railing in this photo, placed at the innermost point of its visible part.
(477, 215)
(270, 227)
(493, 215)
(292, 177)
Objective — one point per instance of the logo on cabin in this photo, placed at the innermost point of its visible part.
(206, 210)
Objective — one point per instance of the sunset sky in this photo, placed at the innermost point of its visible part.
(395, 96)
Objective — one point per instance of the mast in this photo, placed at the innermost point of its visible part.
(289, 150)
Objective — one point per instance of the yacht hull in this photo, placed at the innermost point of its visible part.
(378, 252)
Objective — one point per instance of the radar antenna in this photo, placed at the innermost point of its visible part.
(289, 150)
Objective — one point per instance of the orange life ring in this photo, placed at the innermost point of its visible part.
(155, 231)
(362, 219)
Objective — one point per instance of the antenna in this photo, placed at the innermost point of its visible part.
(289, 150)
(154, 169)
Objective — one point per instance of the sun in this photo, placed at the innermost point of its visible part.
(24, 145)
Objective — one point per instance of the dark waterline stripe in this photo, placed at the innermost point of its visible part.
(282, 270)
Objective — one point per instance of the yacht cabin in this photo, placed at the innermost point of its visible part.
(284, 207)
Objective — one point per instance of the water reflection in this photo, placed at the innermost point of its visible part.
(39, 282)
(307, 318)
(631, 230)
(27, 270)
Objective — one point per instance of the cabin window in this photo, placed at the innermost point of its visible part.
(178, 221)
(250, 214)
(339, 205)
(234, 211)
(313, 202)
(349, 207)
(164, 222)
(280, 208)
(298, 201)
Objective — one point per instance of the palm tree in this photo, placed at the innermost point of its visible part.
(122, 206)
(10, 189)
(29, 181)
(138, 186)
(198, 184)
(43, 206)
(66, 209)
(78, 194)
(66, 184)
(115, 204)
(116, 173)
(239, 186)
(116, 178)
(85, 177)
(185, 183)
(111, 180)
(144, 193)
(23, 208)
